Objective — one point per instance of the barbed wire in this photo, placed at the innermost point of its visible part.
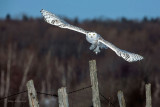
(79, 89)
(107, 100)
(13, 95)
(55, 95)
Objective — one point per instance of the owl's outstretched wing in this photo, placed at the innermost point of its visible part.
(54, 20)
(128, 56)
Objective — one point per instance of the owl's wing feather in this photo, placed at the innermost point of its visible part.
(128, 56)
(54, 20)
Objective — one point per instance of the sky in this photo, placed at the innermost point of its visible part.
(82, 9)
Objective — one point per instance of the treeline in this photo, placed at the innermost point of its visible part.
(61, 56)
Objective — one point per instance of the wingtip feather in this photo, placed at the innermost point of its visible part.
(134, 57)
(130, 57)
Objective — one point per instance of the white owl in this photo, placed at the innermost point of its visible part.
(97, 42)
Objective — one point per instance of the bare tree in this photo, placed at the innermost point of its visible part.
(48, 57)
(8, 74)
(26, 70)
(2, 86)
(43, 89)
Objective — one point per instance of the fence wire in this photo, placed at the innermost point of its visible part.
(55, 95)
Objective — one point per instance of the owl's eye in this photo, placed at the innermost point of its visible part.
(93, 33)
(89, 34)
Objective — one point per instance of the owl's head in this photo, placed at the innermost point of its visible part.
(92, 35)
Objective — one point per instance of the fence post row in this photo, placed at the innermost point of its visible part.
(121, 99)
(63, 97)
(148, 95)
(32, 95)
(94, 83)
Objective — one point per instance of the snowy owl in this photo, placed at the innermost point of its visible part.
(97, 42)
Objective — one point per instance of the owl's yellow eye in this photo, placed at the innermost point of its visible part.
(93, 33)
(89, 34)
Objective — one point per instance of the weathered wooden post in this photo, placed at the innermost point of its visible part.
(94, 83)
(148, 95)
(32, 95)
(121, 99)
(63, 97)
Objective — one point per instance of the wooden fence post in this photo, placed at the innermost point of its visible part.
(63, 97)
(94, 83)
(32, 95)
(121, 99)
(148, 95)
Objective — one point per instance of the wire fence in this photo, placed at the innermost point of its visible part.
(55, 95)
(96, 94)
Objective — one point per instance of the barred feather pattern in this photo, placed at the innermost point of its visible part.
(55, 20)
(128, 56)
(96, 46)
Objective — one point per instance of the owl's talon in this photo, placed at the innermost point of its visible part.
(97, 50)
